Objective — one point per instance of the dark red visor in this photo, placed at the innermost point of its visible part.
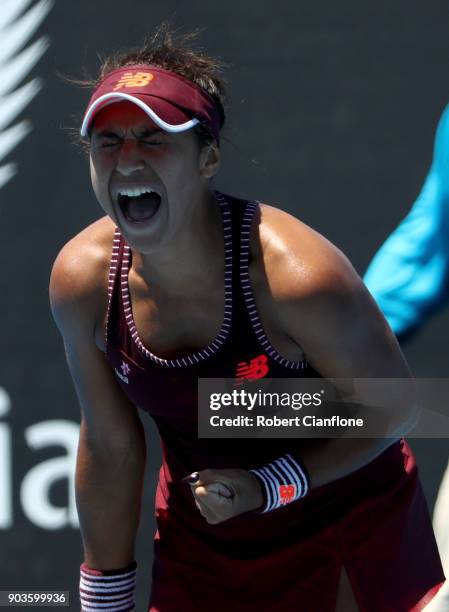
(171, 101)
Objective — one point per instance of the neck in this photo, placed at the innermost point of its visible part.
(195, 258)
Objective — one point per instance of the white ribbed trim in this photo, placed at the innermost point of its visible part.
(249, 298)
(218, 341)
(109, 98)
(283, 471)
(113, 264)
(112, 593)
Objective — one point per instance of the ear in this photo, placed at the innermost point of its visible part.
(209, 160)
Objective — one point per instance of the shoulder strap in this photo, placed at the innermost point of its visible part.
(115, 262)
(115, 267)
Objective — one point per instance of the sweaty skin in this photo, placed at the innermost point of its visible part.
(311, 302)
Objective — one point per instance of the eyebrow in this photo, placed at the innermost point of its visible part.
(142, 134)
(105, 134)
(148, 133)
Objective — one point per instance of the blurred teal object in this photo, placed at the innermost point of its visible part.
(408, 276)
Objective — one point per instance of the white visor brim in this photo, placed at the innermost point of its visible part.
(110, 98)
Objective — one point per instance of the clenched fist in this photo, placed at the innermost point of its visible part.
(222, 494)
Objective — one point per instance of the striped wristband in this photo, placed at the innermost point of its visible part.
(108, 590)
(283, 481)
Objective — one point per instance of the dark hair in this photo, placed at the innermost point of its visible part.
(167, 49)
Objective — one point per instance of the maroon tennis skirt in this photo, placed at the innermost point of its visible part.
(374, 522)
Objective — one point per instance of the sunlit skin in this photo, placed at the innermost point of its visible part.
(128, 149)
(312, 304)
(183, 247)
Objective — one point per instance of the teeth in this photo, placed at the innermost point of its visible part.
(133, 192)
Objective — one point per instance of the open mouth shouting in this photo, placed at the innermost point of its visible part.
(138, 204)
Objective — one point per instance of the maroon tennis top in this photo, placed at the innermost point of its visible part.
(373, 521)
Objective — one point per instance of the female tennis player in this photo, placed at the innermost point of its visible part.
(177, 282)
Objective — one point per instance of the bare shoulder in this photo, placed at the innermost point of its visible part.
(79, 277)
(321, 302)
(298, 261)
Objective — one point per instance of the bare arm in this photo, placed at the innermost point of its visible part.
(111, 451)
(322, 305)
(326, 309)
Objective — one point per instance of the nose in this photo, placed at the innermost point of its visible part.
(130, 158)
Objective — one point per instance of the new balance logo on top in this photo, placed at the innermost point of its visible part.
(252, 370)
(123, 375)
(125, 368)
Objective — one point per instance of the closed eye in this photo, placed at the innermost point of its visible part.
(109, 143)
(114, 141)
(106, 140)
(150, 137)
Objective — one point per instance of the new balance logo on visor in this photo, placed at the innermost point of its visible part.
(174, 103)
(134, 79)
(252, 370)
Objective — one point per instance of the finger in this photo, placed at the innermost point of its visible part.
(202, 477)
(220, 489)
(208, 513)
(192, 478)
(214, 501)
(211, 502)
(200, 496)
(199, 506)
(205, 512)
